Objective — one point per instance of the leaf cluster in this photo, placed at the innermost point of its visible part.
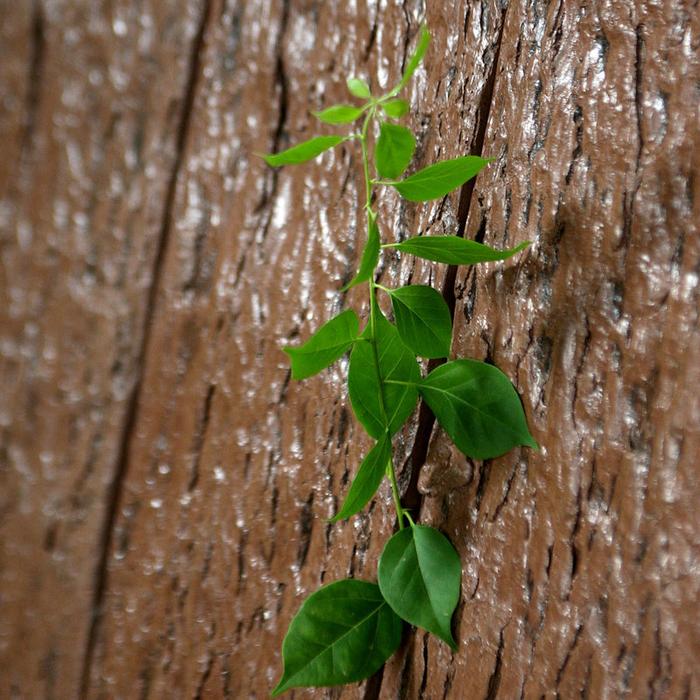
(346, 630)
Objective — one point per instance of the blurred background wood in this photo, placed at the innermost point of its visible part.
(164, 487)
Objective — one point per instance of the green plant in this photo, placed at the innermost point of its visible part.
(347, 630)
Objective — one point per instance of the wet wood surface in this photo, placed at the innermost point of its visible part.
(164, 487)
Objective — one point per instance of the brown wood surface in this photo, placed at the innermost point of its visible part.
(164, 487)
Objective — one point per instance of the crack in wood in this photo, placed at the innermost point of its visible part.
(114, 491)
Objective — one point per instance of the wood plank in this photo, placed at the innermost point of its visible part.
(90, 125)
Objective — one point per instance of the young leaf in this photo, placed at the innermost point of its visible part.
(303, 151)
(395, 108)
(437, 180)
(423, 320)
(419, 576)
(414, 61)
(359, 88)
(478, 407)
(377, 405)
(454, 250)
(339, 114)
(325, 346)
(342, 633)
(370, 255)
(394, 150)
(367, 481)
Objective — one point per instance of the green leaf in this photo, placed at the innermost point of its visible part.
(367, 481)
(325, 346)
(339, 114)
(419, 576)
(395, 108)
(380, 406)
(394, 150)
(414, 61)
(359, 88)
(478, 407)
(423, 320)
(437, 180)
(454, 250)
(343, 633)
(370, 255)
(303, 151)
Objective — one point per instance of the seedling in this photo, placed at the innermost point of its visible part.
(346, 631)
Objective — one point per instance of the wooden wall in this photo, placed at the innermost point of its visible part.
(164, 487)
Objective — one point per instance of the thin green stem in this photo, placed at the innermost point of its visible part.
(365, 161)
(395, 492)
(374, 309)
(384, 289)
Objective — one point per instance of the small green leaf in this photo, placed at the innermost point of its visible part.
(414, 61)
(325, 346)
(423, 320)
(395, 108)
(342, 633)
(478, 407)
(394, 150)
(437, 180)
(367, 481)
(359, 88)
(419, 576)
(303, 151)
(339, 114)
(454, 250)
(370, 255)
(380, 406)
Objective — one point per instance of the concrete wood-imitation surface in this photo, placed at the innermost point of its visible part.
(164, 487)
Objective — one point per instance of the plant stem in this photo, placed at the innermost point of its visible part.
(373, 308)
(395, 492)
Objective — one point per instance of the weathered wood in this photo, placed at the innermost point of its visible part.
(91, 106)
(580, 561)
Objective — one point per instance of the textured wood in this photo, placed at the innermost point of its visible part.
(157, 463)
(580, 562)
(90, 117)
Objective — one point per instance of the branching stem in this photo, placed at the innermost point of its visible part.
(373, 309)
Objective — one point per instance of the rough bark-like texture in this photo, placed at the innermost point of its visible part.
(90, 119)
(159, 469)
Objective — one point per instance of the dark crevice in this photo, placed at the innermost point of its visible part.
(282, 87)
(412, 497)
(424, 678)
(630, 197)
(199, 436)
(306, 521)
(374, 685)
(114, 491)
(495, 678)
(567, 658)
(34, 83)
(199, 694)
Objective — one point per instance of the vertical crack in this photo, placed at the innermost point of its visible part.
(115, 489)
(412, 498)
(34, 83)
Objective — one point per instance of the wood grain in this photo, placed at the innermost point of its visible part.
(164, 479)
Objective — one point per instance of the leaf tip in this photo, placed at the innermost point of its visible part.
(280, 687)
(532, 443)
